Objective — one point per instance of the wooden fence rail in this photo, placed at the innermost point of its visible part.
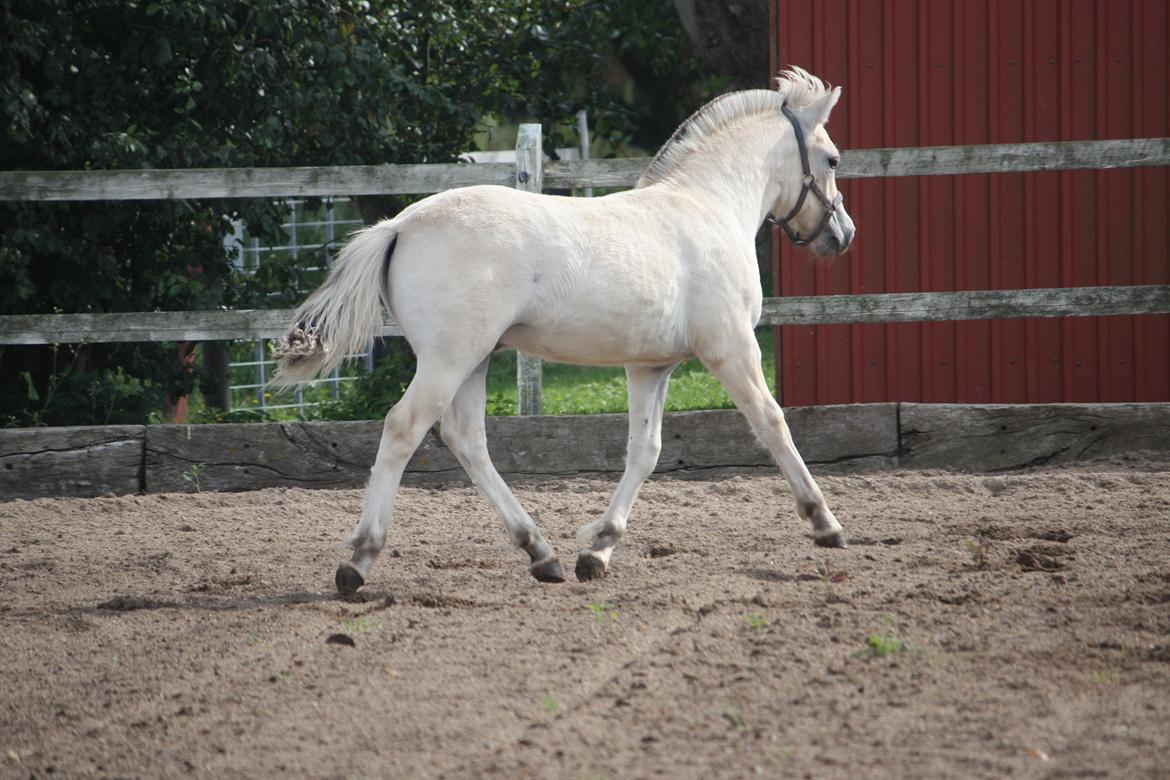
(416, 179)
(529, 174)
(797, 310)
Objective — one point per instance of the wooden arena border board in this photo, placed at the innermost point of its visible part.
(94, 461)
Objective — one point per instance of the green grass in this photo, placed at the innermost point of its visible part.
(593, 390)
(566, 389)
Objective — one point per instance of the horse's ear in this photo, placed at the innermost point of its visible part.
(817, 112)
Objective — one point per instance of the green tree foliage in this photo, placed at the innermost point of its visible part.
(109, 84)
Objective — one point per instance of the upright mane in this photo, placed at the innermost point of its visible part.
(795, 86)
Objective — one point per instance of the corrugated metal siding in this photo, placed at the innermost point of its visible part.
(926, 73)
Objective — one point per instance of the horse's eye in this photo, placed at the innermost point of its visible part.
(834, 162)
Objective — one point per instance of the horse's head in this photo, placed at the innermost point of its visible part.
(810, 209)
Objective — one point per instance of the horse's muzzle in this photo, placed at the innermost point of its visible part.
(837, 236)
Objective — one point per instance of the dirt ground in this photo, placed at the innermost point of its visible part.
(978, 626)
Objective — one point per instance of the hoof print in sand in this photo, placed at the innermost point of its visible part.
(1043, 557)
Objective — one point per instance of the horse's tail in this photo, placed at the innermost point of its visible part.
(344, 313)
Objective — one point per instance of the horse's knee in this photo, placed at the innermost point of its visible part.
(642, 456)
(654, 449)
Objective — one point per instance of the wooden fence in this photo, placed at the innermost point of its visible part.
(100, 460)
(531, 174)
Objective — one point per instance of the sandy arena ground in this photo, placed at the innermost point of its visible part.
(978, 626)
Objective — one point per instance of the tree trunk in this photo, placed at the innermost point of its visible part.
(731, 38)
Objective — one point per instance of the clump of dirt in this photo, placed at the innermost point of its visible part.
(722, 643)
(1043, 557)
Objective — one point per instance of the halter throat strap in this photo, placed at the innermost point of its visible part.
(808, 184)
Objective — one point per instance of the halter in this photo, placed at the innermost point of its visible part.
(808, 184)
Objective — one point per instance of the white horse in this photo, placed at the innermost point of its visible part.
(645, 278)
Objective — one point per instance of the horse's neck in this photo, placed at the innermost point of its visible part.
(737, 169)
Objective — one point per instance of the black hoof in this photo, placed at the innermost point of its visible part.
(548, 570)
(348, 579)
(835, 539)
(589, 567)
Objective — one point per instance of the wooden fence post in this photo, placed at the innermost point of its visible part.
(530, 178)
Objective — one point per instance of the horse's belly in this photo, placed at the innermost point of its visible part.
(602, 345)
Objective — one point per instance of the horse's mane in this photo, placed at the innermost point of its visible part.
(795, 86)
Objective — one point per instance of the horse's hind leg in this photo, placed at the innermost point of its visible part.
(429, 394)
(647, 391)
(738, 369)
(462, 429)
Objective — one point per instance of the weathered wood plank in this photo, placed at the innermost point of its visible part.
(79, 461)
(915, 161)
(846, 435)
(152, 326)
(805, 310)
(969, 305)
(580, 174)
(173, 184)
(529, 178)
(169, 184)
(236, 457)
(323, 454)
(1004, 158)
(37, 462)
(998, 437)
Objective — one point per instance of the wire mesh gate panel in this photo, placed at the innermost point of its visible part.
(312, 238)
(925, 73)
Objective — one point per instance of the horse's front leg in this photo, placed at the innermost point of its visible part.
(647, 393)
(738, 370)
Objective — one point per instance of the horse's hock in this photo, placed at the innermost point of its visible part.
(100, 460)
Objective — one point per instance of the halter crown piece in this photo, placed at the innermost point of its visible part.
(808, 184)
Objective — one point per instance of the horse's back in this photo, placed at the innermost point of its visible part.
(590, 280)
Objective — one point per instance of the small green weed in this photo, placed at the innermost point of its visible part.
(734, 717)
(979, 550)
(357, 625)
(756, 620)
(1100, 678)
(549, 702)
(192, 475)
(885, 643)
(603, 611)
(829, 578)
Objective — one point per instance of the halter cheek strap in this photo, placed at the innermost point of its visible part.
(808, 184)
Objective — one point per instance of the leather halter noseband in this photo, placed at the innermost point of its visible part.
(808, 184)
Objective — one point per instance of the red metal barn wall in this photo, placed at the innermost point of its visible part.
(928, 73)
